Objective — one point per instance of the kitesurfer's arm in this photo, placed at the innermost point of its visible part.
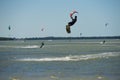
(71, 17)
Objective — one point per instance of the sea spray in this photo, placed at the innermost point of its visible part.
(74, 57)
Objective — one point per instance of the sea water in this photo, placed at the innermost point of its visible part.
(60, 60)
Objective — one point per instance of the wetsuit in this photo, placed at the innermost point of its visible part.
(73, 21)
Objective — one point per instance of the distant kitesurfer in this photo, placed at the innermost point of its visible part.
(104, 41)
(42, 44)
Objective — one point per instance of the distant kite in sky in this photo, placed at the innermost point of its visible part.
(9, 27)
(72, 22)
(42, 29)
(106, 24)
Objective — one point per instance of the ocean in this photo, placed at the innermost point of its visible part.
(87, 59)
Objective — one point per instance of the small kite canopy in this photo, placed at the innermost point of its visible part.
(9, 27)
(106, 24)
(42, 29)
(73, 12)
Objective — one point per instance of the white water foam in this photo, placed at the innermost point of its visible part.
(29, 46)
(74, 58)
(26, 46)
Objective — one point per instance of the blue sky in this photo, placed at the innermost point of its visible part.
(28, 17)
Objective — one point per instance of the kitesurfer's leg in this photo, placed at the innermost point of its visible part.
(68, 29)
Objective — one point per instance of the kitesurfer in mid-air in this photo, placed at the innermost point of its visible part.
(72, 22)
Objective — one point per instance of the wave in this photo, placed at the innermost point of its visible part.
(74, 57)
(29, 46)
(26, 46)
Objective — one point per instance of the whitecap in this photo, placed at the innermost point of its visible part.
(74, 57)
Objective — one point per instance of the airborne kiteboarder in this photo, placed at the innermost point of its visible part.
(72, 22)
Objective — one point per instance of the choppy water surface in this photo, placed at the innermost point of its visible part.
(60, 60)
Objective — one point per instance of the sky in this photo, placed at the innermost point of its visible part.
(45, 18)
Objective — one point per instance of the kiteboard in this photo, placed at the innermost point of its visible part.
(68, 29)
